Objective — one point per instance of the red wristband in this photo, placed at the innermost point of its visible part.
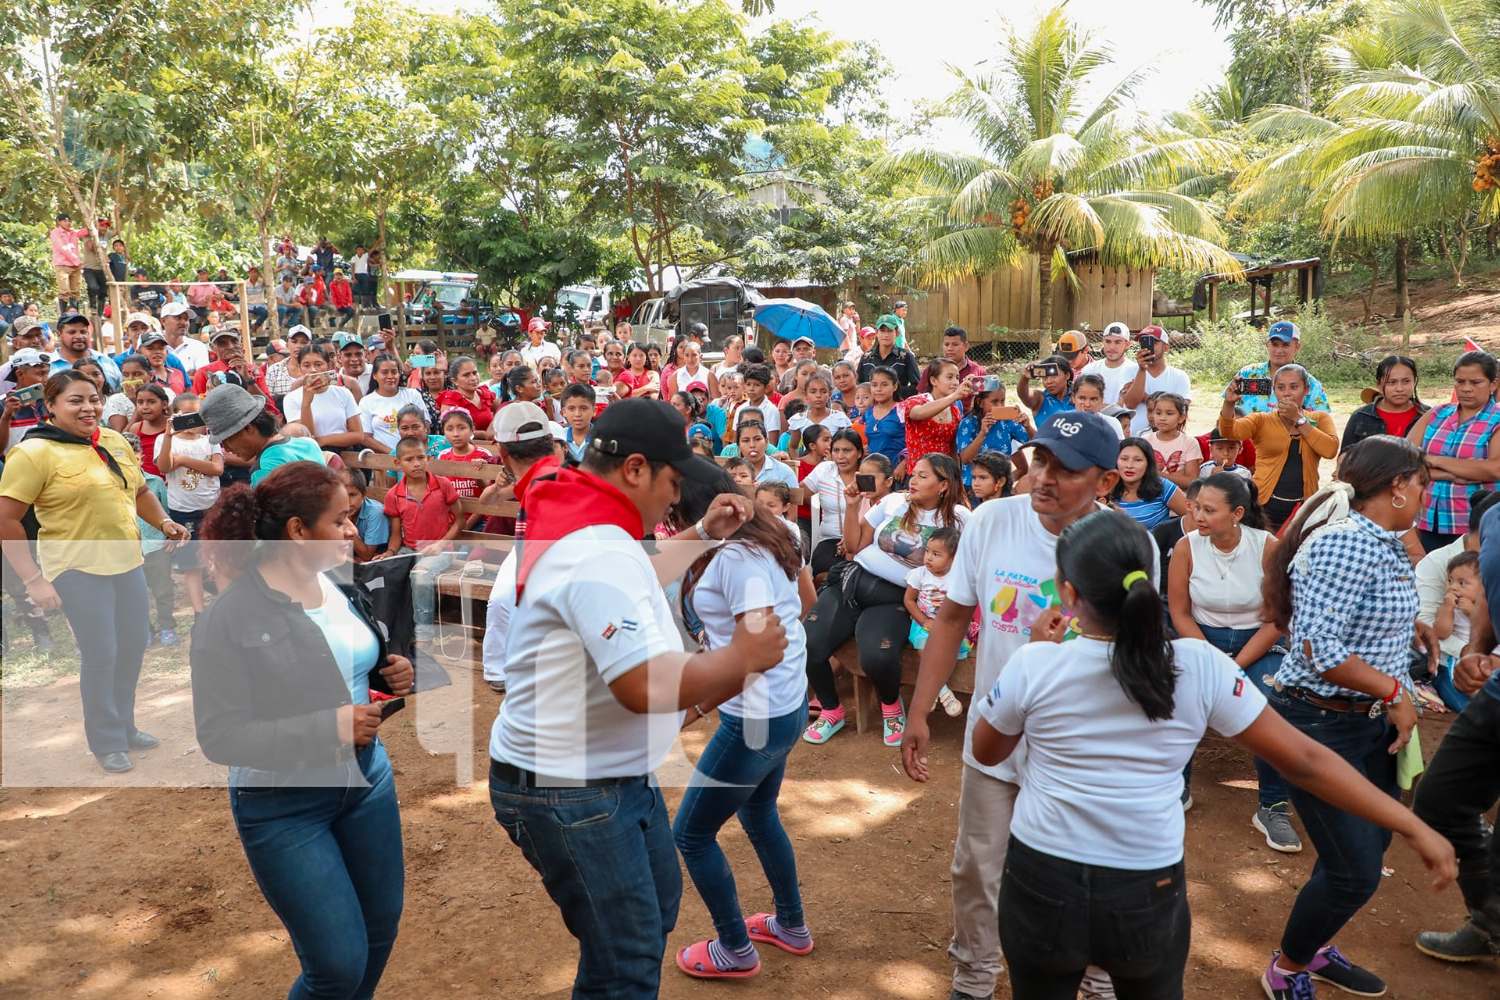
(1396, 690)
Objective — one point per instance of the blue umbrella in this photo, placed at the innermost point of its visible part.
(793, 318)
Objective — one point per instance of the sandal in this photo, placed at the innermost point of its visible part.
(695, 962)
(895, 726)
(822, 731)
(760, 933)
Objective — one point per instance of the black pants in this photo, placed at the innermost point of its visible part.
(878, 621)
(1462, 783)
(825, 555)
(1059, 917)
(1279, 512)
(1433, 540)
(94, 281)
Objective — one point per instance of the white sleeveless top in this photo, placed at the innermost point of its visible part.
(1225, 586)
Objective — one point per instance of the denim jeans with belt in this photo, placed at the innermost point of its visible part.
(607, 859)
(1460, 786)
(110, 616)
(1351, 850)
(325, 849)
(1058, 917)
(1273, 787)
(740, 773)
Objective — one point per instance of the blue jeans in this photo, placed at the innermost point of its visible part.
(424, 589)
(289, 316)
(257, 316)
(1442, 683)
(1351, 850)
(607, 860)
(111, 620)
(740, 773)
(328, 860)
(1273, 787)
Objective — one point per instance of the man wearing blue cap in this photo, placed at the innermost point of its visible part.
(1006, 562)
(1283, 341)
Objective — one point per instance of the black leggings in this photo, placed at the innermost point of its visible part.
(825, 555)
(880, 624)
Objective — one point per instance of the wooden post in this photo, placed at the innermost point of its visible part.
(1213, 301)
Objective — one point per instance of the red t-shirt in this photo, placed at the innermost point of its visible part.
(633, 381)
(426, 520)
(148, 451)
(482, 413)
(804, 467)
(467, 488)
(1397, 424)
(926, 437)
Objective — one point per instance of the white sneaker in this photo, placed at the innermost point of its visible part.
(950, 702)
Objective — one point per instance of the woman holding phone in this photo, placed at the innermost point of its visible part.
(1289, 442)
(1056, 394)
(993, 426)
(932, 418)
(283, 664)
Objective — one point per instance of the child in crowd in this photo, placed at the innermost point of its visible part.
(993, 476)
(1223, 456)
(192, 466)
(757, 381)
(150, 422)
(578, 409)
(425, 516)
(702, 445)
(1088, 396)
(775, 497)
(1452, 623)
(367, 516)
(816, 395)
(458, 428)
(926, 589)
(740, 471)
(1178, 454)
(157, 560)
(119, 409)
(863, 397)
(18, 419)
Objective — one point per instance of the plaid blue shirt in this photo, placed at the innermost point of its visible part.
(1353, 594)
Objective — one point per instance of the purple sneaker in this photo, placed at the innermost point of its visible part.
(1330, 966)
(1287, 986)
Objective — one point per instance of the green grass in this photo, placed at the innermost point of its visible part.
(23, 667)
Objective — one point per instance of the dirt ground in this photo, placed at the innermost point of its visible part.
(125, 892)
(1444, 315)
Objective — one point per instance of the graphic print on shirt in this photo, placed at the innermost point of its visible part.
(906, 547)
(1019, 600)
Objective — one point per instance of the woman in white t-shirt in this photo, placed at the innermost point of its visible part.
(328, 411)
(1109, 720)
(867, 600)
(378, 409)
(741, 768)
(831, 481)
(691, 370)
(1214, 593)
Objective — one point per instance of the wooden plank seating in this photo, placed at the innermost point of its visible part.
(866, 709)
(370, 461)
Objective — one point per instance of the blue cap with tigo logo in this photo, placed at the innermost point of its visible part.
(1078, 440)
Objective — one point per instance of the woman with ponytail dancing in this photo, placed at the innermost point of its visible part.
(1341, 586)
(283, 663)
(1109, 719)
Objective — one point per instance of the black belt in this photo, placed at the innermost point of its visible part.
(1331, 704)
(509, 774)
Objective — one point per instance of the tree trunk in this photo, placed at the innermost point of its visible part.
(1373, 263)
(1044, 279)
(268, 278)
(1403, 289)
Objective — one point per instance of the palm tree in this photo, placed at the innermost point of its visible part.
(1410, 143)
(1057, 174)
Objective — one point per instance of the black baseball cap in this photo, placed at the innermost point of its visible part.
(654, 429)
(1079, 440)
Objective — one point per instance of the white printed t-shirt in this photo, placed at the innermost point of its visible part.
(1093, 756)
(740, 579)
(1006, 566)
(591, 611)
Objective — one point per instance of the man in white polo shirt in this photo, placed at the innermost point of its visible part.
(1006, 565)
(596, 684)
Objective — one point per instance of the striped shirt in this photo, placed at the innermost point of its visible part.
(1446, 511)
(1354, 593)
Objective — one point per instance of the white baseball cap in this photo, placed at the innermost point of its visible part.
(1117, 329)
(138, 317)
(175, 309)
(514, 416)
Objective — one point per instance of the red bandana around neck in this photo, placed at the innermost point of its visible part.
(563, 503)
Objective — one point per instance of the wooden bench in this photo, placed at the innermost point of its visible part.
(380, 485)
(866, 707)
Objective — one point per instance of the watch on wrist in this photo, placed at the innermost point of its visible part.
(1301, 421)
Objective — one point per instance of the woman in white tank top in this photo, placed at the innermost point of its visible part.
(1214, 588)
